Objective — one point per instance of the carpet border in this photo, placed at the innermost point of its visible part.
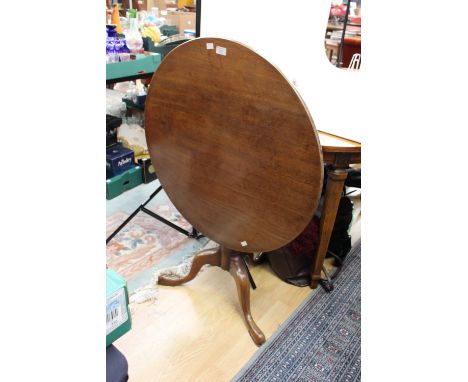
(281, 327)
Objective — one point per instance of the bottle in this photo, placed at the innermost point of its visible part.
(133, 35)
(116, 18)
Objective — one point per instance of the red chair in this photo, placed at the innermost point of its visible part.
(351, 45)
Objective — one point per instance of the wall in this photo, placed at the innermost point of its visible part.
(293, 39)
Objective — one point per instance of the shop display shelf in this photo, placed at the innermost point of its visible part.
(144, 65)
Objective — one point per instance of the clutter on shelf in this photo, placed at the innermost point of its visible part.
(127, 158)
(145, 30)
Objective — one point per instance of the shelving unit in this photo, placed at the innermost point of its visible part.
(132, 70)
(143, 66)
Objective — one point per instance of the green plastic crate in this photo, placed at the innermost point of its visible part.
(163, 50)
(123, 182)
(118, 319)
(169, 30)
(144, 63)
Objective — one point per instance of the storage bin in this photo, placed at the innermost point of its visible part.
(123, 182)
(118, 320)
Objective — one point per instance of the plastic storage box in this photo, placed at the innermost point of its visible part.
(123, 182)
(118, 320)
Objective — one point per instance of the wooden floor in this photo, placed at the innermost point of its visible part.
(195, 332)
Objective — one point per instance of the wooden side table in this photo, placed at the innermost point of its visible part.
(339, 153)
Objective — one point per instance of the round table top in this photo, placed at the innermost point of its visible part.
(233, 145)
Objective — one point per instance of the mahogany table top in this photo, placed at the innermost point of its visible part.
(233, 145)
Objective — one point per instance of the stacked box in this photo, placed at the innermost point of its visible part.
(111, 138)
(118, 160)
(112, 123)
(183, 20)
(123, 182)
(118, 320)
(148, 170)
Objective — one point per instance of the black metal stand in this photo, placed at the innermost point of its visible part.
(194, 234)
(197, 18)
(252, 282)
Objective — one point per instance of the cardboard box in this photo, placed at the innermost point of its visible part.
(148, 170)
(118, 320)
(146, 5)
(160, 4)
(183, 20)
(118, 160)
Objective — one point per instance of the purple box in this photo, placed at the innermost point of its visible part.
(118, 160)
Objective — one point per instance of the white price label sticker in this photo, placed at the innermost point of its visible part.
(209, 45)
(221, 50)
(116, 310)
(244, 243)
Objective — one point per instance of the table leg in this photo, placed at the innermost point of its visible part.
(335, 183)
(238, 271)
(209, 256)
(235, 265)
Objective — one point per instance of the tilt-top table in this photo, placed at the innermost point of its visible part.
(236, 151)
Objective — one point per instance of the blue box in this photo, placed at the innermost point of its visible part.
(118, 160)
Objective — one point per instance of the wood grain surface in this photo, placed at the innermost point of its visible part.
(233, 145)
(334, 143)
(186, 337)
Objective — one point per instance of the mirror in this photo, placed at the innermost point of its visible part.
(343, 34)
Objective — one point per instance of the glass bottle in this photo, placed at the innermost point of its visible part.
(133, 35)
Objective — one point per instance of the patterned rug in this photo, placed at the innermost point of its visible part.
(145, 244)
(321, 341)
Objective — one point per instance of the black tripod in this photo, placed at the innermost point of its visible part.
(194, 234)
